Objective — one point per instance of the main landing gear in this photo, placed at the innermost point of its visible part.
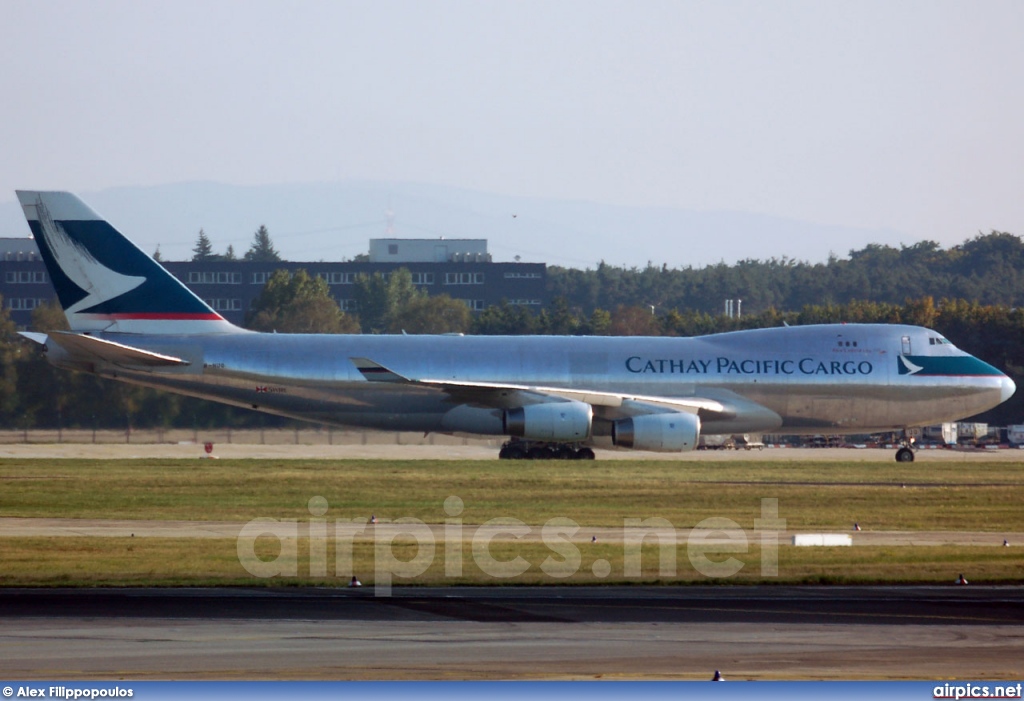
(530, 450)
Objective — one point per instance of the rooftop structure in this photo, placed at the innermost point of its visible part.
(429, 251)
(18, 249)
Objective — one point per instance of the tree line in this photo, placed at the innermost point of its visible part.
(604, 301)
(988, 268)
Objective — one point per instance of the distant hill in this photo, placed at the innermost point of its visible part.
(334, 221)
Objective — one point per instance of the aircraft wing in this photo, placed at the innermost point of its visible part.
(508, 395)
(90, 348)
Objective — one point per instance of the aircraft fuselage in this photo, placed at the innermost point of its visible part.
(837, 378)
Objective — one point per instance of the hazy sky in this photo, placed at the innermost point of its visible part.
(901, 115)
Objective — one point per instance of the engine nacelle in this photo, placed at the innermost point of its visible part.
(667, 433)
(558, 421)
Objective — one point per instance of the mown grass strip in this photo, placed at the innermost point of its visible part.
(173, 562)
(828, 495)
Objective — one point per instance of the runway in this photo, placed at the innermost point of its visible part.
(515, 633)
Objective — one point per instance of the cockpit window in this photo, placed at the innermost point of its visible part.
(938, 341)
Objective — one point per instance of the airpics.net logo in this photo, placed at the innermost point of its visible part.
(404, 549)
(958, 691)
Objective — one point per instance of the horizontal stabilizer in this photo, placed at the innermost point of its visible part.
(92, 348)
(34, 336)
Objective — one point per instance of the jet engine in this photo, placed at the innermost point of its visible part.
(558, 421)
(667, 433)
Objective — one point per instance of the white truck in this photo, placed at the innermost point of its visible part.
(1015, 434)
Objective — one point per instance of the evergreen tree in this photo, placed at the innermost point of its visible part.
(599, 324)
(559, 320)
(203, 249)
(262, 248)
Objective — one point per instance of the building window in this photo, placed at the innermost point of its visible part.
(19, 304)
(337, 278)
(522, 276)
(392, 249)
(525, 302)
(259, 278)
(463, 278)
(224, 305)
(476, 305)
(23, 277)
(347, 305)
(214, 278)
(423, 278)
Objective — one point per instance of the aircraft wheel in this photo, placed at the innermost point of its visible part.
(584, 454)
(904, 455)
(513, 452)
(565, 453)
(539, 453)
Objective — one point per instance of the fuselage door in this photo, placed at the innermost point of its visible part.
(906, 345)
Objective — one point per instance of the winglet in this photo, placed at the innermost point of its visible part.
(375, 372)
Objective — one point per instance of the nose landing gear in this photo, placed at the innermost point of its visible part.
(906, 451)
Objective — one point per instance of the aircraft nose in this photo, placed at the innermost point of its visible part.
(1006, 388)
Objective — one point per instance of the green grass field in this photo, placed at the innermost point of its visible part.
(978, 496)
(884, 496)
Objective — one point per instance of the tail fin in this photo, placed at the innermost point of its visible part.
(104, 281)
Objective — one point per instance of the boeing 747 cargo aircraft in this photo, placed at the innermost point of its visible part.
(134, 322)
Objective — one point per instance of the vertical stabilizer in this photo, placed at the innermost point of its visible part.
(104, 281)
